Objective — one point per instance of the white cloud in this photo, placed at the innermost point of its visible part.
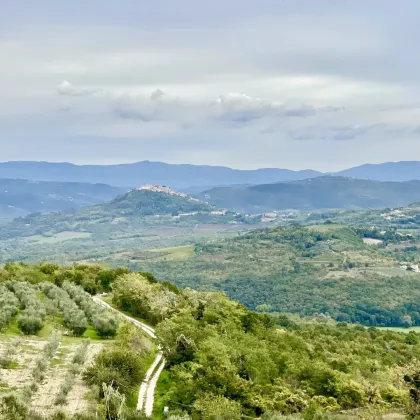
(66, 88)
(158, 105)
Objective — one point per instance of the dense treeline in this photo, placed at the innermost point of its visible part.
(220, 356)
(324, 269)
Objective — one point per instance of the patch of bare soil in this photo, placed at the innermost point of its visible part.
(43, 400)
(372, 241)
(76, 400)
(26, 356)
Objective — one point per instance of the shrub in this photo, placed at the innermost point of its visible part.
(106, 325)
(32, 319)
(13, 408)
(30, 323)
(6, 360)
(74, 317)
(118, 366)
(8, 307)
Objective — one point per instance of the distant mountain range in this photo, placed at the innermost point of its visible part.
(315, 193)
(191, 178)
(389, 171)
(135, 174)
(19, 197)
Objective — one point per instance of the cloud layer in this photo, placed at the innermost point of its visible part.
(240, 83)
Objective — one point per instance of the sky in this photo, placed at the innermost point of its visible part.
(320, 84)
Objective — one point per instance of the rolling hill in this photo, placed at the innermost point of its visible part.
(19, 197)
(314, 193)
(125, 208)
(149, 200)
(146, 218)
(219, 359)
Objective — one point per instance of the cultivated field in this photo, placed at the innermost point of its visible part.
(61, 372)
(49, 335)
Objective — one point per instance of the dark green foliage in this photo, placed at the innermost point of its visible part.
(222, 359)
(120, 364)
(306, 271)
(30, 322)
(107, 277)
(117, 365)
(224, 353)
(13, 408)
(412, 338)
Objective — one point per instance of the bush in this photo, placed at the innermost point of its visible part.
(74, 317)
(118, 366)
(8, 307)
(106, 325)
(30, 323)
(13, 408)
(6, 359)
(32, 319)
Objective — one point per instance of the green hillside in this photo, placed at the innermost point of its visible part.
(222, 361)
(145, 203)
(139, 219)
(135, 204)
(315, 193)
(333, 270)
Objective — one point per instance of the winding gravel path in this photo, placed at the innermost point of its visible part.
(147, 389)
(144, 327)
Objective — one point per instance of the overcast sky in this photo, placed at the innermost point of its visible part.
(321, 84)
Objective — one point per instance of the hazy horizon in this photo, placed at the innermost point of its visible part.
(326, 172)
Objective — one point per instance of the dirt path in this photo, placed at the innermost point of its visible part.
(148, 385)
(150, 395)
(144, 327)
